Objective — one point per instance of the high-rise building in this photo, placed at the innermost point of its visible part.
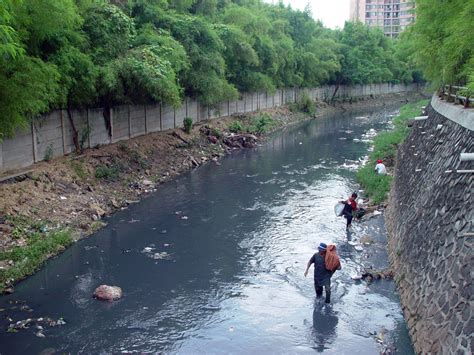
(391, 16)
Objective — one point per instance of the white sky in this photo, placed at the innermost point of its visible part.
(333, 13)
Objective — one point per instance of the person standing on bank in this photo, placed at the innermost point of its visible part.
(322, 276)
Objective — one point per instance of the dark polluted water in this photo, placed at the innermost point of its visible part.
(213, 262)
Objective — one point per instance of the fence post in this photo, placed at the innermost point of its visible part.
(161, 118)
(33, 137)
(129, 123)
(111, 111)
(88, 129)
(63, 130)
(198, 109)
(146, 123)
(174, 117)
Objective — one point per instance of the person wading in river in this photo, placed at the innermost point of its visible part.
(322, 276)
(350, 207)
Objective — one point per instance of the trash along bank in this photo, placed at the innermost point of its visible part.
(55, 203)
(215, 259)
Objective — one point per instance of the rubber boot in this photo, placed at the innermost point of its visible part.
(328, 297)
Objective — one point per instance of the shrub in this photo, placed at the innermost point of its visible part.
(261, 124)
(188, 124)
(105, 172)
(49, 153)
(78, 169)
(236, 127)
(305, 105)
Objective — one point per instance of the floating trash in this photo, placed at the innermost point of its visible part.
(161, 256)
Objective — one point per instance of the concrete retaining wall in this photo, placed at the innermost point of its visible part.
(51, 135)
(430, 220)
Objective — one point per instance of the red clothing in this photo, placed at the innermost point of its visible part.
(353, 203)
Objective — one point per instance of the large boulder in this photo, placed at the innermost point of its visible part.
(108, 293)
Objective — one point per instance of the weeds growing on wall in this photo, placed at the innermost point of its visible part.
(385, 147)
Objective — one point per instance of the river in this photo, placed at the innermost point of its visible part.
(213, 261)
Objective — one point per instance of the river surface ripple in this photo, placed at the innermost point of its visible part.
(213, 262)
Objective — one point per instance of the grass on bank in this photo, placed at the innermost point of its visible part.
(259, 124)
(385, 147)
(28, 258)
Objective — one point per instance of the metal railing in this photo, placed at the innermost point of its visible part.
(457, 95)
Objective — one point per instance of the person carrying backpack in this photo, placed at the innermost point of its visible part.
(350, 206)
(326, 262)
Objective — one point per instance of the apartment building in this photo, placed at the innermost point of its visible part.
(391, 16)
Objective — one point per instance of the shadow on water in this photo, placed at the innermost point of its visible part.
(324, 326)
(213, 262)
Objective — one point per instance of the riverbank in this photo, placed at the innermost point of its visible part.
(377, 187)
(58, 202)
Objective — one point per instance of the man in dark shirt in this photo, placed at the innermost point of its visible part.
(350, 206)
(322, 276)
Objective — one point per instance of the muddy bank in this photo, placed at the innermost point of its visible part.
(71, 194)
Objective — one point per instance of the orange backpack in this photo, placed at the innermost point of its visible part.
(332, 259)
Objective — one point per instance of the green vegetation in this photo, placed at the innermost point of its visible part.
(439, 42)
(385, 148)
(79, 170)
(236, 127)
(48, 154)
(79, 53)
(261, 123)
(188, 124)
(304, 104)
(106, 172)
(40, 245)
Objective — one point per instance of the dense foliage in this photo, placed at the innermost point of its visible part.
(78, 53)
(440, 41)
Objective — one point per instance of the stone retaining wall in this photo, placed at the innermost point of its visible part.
(431, 228)
(51, 135)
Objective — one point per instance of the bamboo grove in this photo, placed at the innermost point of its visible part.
(84, 53)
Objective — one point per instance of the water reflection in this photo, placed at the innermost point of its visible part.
(233, 282)
(324, 326)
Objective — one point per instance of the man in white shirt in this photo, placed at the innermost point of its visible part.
(380, 168)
